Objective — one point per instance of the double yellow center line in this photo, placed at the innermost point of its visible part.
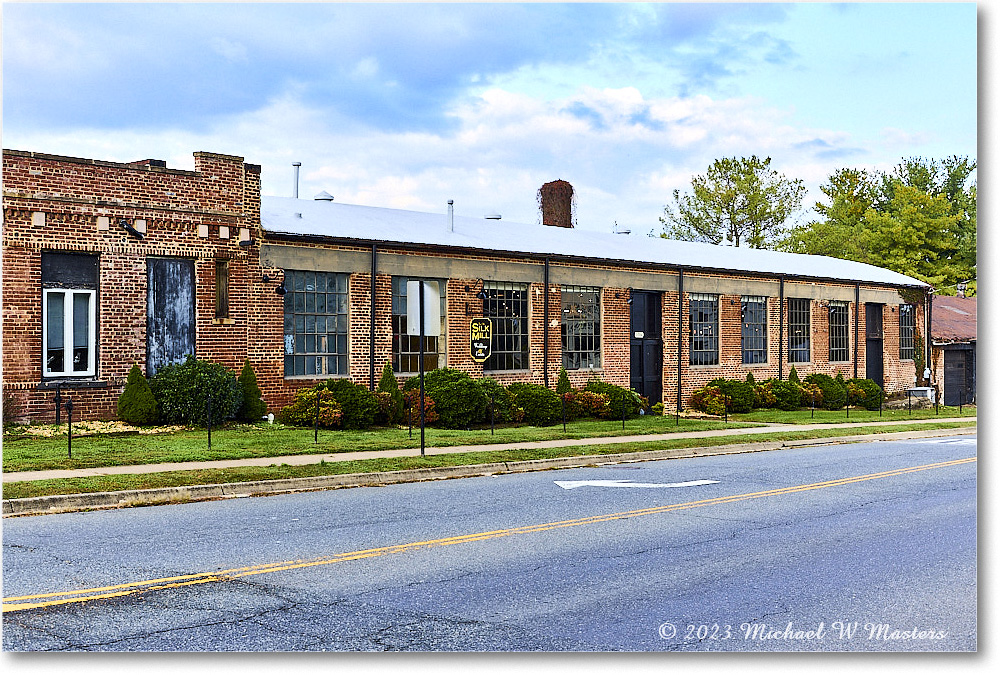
(23, 602)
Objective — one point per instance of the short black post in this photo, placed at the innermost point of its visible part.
(725, 412)
(492, 415)
(562, 397)
(812, 404)
(209, 405)
(69, 429)
(623, 412)
(58, 401)
(848, 406)
(409, 421)
(937, 402)
(880, 404)
(316, 421)
(677, 416)
(909, 403)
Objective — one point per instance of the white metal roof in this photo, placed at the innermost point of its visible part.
(286, 215)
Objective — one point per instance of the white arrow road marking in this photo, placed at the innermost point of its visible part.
(570, 484)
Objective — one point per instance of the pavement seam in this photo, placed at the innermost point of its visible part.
(160, 496)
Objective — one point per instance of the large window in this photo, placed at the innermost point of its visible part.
(69, 315)
(840, 344)
(315, 323)
(507, 305)
(798, 330)
(704, 329)
(753, 338)
(406, 348)
(581, 327)
(907, 329)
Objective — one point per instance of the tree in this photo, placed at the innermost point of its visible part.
(919, 220)
(137, 405)
(741, 201)
(254, 407)
(390, 385)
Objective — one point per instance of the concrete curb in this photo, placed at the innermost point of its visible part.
(173, 495)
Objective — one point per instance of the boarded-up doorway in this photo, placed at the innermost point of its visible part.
(646, 367)
(170, 326)
(874, 343)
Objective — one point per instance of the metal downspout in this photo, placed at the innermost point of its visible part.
(371, 331)
(857, 317)
(680, 333)
(545, 325)
(781, 327)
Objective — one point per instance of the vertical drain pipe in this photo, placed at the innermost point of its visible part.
(295, 187)
(545, 325)
(451, 215)
(781, 326)
(680, 333)
(857, 307)
(371, 332)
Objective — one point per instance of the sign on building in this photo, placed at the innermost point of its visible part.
(481, 337)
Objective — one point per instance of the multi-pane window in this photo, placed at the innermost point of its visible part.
(581, 327)
(704, 310)
(907, 329)
(798, 330)
(507, 305)
(840, 345)
(753, 315)
(406, 348)
(221, 289)
(69, 315)
(315, 323)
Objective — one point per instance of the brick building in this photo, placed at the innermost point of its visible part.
(953, 348)
(106, 265)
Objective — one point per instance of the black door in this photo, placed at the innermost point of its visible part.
(874, 343)
(956, 381)
(169, 312)
(646, 364)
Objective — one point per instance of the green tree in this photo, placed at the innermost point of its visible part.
(742, 201)
(137, 405)
(390, 385)
(254, 407)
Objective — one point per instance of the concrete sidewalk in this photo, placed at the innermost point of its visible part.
(303, 459)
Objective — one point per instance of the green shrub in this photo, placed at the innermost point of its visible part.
(834, 393)
(411, 400)
(570, 406)
(865, 393)
(787, 395)
(563, 386)
(502, 404)
(708, 400)
(541, 405)
(741, 394)
(253, 408)
(357, 403)
(793, 376)
(181, 390)
(657, 409)
(302, 411)
(136, 405)
(763, 396)
(389, 385)
(591, 404)
(616, 396)
(459, 400)
(750, 380)
(812, 395)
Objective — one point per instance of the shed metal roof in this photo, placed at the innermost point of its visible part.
(303, 217)
(953, 319)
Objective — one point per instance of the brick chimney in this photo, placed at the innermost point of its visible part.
(556, 202)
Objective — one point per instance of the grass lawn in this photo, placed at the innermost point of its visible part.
(23, 453)
(201, 477)
(856, 415)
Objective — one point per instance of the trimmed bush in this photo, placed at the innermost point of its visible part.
(136, 405)
(357, 403)
(658, 409)
(763, 396)
(616, 395)
(253, 408)
(591, 404)
(834, 394)
(541, 405)
(459, 400)
(708, 400)
(812, 395)
(502, 404)
(793, 376)
(787, 395)
(181, 391)
(388, 384)
(563, 386)
(741, 394)
(411, 400)
(752, 382)
(865, 393)
(302, 411)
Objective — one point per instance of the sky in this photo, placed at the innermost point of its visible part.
(410, 105)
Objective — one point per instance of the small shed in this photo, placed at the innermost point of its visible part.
(953, 348)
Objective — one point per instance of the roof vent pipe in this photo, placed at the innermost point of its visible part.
(492, 216)
(323, 196)
(451, 215)
(295, 187)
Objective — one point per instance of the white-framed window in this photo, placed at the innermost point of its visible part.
(69, 330)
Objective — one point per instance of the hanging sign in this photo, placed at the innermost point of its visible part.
(481, 337)
(432, 308)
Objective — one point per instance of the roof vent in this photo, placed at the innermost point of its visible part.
(324, 196)
(492, 216)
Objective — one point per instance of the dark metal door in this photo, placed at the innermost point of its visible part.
(646, 362)
(170, 326)
(956, 385)
(874, 344)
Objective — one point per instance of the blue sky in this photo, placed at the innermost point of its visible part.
(409, 105)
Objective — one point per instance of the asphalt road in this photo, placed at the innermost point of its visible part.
(865, 547)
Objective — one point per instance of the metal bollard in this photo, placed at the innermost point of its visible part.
(58, 401)
(316, 421)
(492, 414)
(209, 405)
(69, 429)
(562, 398)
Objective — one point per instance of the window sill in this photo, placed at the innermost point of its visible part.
(315, 377)
(223, 322)
(584, 370)
(709, 366)
(72, 383)
(509, 372)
